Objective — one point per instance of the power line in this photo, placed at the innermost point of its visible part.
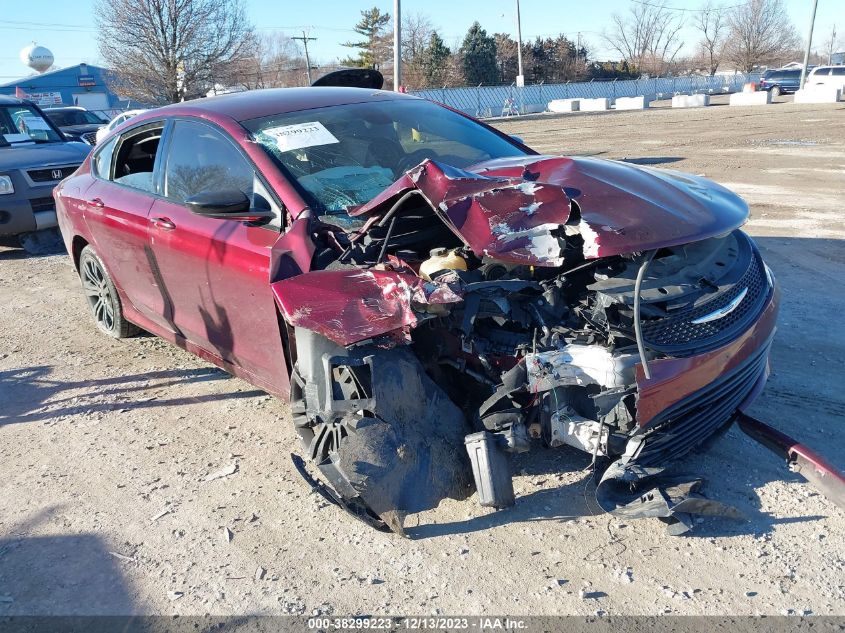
(670, 8)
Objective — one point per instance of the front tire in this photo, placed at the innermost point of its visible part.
(775, 92)
(102, 296)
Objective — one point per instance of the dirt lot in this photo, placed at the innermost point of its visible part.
(105, 446)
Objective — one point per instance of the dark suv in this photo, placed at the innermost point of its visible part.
(781, 81)
(76, 123)
(34, 157)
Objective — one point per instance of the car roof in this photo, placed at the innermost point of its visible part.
(254, 104)
(64, 109)
(8, 100)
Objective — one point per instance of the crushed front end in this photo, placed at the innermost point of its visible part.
(462, 316)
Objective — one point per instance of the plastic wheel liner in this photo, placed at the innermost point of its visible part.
(395, 445)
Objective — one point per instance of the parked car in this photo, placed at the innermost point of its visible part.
(76, 123)
(432, 294)
(34, 157)
(833, 76)
(120, 118)
(781, 81)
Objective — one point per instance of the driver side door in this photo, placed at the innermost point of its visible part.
(215, 272)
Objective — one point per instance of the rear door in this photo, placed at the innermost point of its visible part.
(215, 273)
(116, 208)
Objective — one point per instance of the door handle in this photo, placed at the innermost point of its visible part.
(163, 223)
(96, 202)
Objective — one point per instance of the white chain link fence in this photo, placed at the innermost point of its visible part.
(492, 101)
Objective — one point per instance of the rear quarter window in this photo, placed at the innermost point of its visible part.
(102, 160)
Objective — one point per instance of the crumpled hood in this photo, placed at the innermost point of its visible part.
(44, 155)
(520, 209)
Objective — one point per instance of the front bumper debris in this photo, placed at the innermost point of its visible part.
(799, 458)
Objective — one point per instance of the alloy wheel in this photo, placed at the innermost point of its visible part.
(98, 293)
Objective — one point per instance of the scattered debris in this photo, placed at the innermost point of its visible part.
(625, 575)
(123, 556)
(293, 607)
(175, 595)
(231, 469)
(228, 535)
(160, 515)
(260, 573)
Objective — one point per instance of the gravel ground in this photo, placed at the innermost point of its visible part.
(108, 450)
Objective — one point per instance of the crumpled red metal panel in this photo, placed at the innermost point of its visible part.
(506, 218)
(518, 209)
(348, 306)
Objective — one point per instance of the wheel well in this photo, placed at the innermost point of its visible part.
(76, 247)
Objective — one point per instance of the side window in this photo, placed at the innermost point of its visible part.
(822, 72)
(201, 159)
(136, 157)
(102, 160)
(839, 71)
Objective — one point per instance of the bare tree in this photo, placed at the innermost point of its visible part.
(416, 35)
(276, 61)
(761, 33)
(168, 50)
(711, 22)
(649, 37)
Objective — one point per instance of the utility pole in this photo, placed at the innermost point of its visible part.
(809, 44)
(520, 79)
(305, 41)
(397, 46)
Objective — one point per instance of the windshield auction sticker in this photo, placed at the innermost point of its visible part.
(301, 135)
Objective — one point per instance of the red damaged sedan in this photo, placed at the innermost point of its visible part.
(433, 295)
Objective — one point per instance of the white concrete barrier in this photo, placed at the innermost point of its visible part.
(564, 105)
(761, 97)
(594, 105)
(632, 103)
(690, 101)
(533, 108)
(818, 94)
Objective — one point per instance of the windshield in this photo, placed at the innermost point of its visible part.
(23, 123)
(74, 117)
(345, 155)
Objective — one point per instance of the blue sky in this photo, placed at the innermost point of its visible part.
(69, 32)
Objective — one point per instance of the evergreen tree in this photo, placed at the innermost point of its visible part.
(373, 49)
(478, 53)
(435, 60)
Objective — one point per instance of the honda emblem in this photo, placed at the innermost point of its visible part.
(57, 174)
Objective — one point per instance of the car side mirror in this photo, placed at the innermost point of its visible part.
(226, 204)
(518, 139)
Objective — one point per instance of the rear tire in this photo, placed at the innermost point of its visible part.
(102, 296)
(775, 92)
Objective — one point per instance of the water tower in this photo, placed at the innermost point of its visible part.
(37, 57)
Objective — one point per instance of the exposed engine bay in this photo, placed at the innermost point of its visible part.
(430, 343)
